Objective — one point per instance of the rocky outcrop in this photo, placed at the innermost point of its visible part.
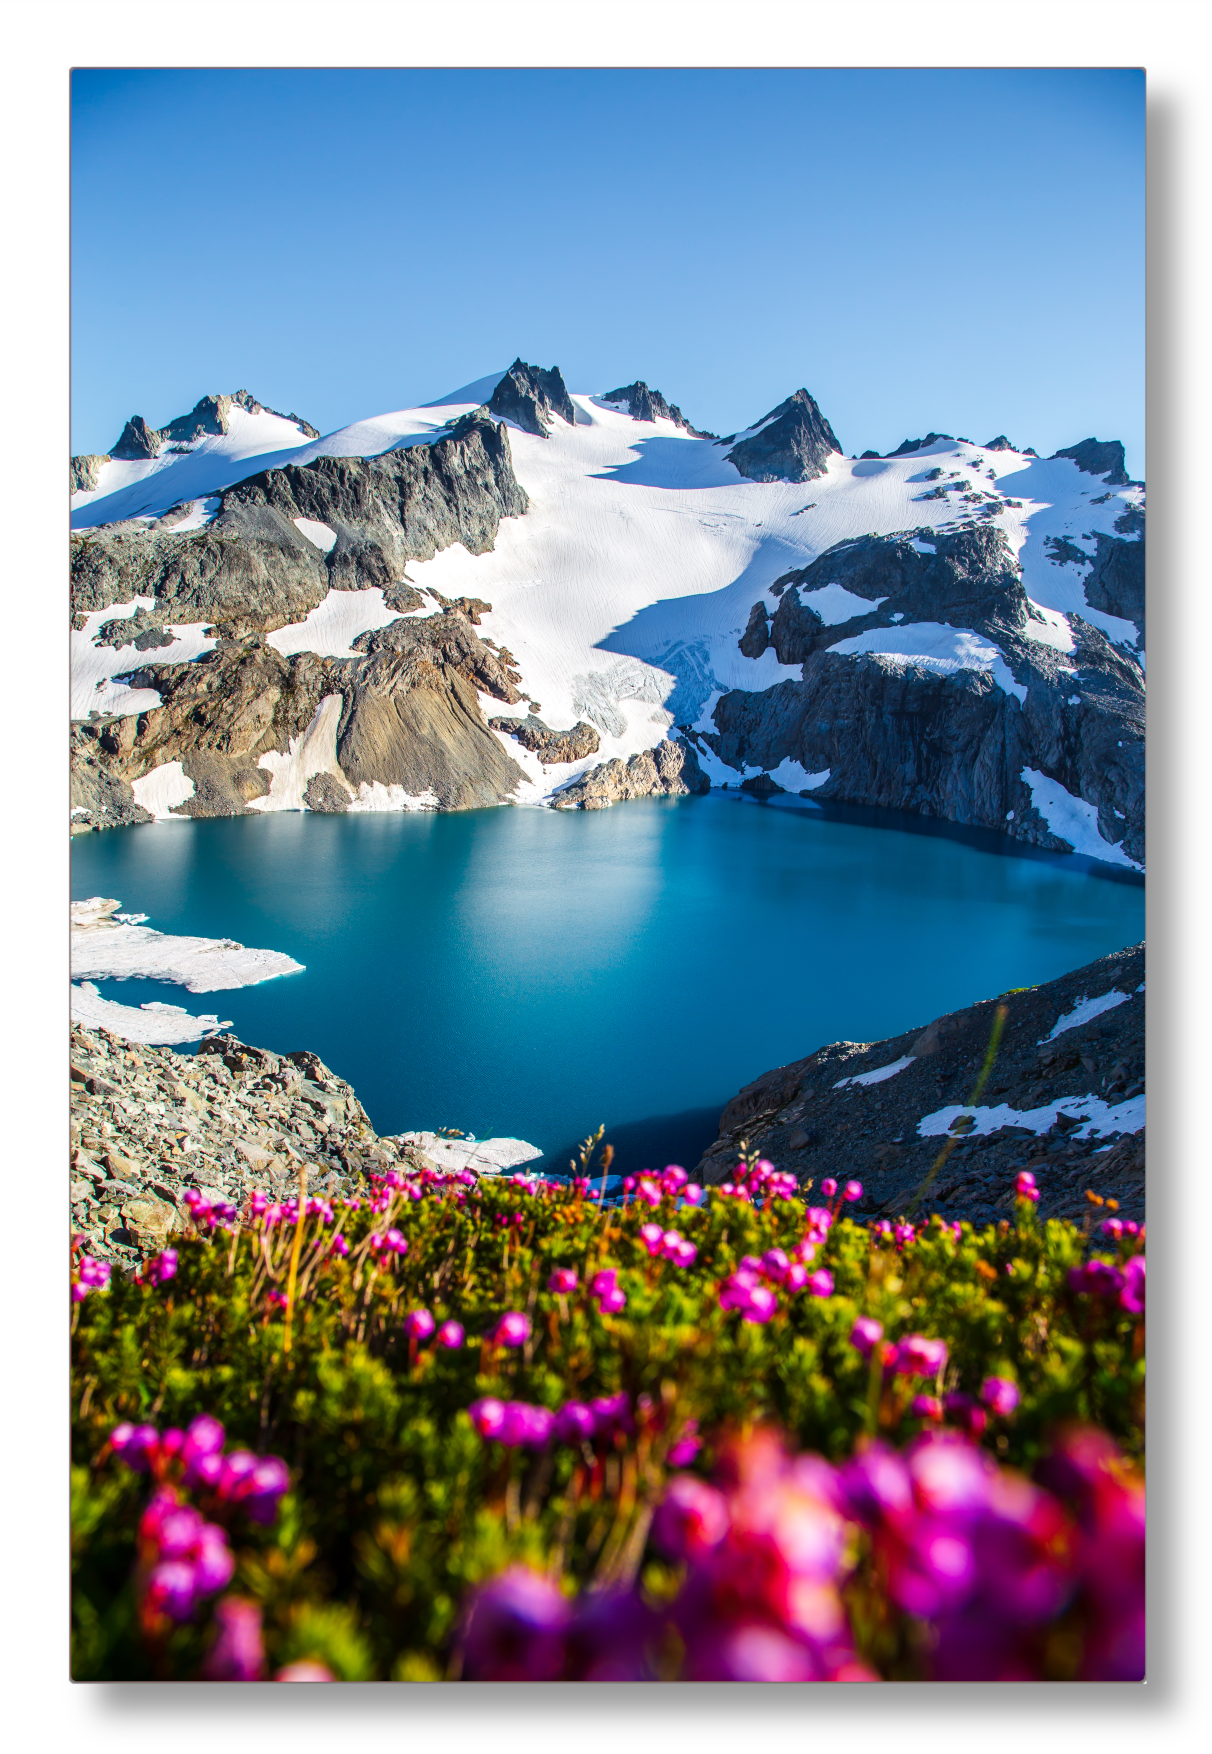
(645, 404)
(551, 746)
(529, 396)
(327, 794)
(408, 716)
(793, 443)
(671, 770)
(99, 796)
(148, 1124)
(85, 472)
(902, 736)
(1115, 582)
(252, 567)
(1104, 457)
(813, 1119)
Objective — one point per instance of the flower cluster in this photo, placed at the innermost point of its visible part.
(181, 1559)
(159, 1269)
(606, 1292)
(519, 1425)
(760, 1183)
(1012, 1579)
(195, 1459)
(669, 1245)
(91, 1275)
(210, 1214)
(745, 1291)
(649, 1188)
(1102, 1279)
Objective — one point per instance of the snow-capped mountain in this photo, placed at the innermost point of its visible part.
(525, 594)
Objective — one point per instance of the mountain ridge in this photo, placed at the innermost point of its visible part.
(1002, 629)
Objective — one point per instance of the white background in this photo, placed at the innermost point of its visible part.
(41, 1709)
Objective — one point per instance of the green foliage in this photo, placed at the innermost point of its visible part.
(398, 1508)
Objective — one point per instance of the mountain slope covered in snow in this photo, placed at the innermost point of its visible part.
(354, 621)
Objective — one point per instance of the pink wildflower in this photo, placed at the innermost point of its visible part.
(513, 1329)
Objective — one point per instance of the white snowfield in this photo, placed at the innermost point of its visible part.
(1097, 1117)
(484, 1156)
(151, 1023)
(335, 624)
(624, 589)
(105, 948)
(1085, 1010)
(93, 666)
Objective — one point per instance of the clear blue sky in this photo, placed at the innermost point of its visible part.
(957, 250)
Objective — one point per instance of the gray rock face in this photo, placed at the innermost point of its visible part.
(137, 441)
(551, 746)
(1103, 457)
(798, 1118)
(903, 737)
(670, 770)
(251, 567)
(794, 444)
(1116, 580)
(530, 396)
(645, 404)
(85, 472)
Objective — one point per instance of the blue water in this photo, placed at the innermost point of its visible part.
(534, 972)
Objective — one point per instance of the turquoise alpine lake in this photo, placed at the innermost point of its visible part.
(533, 972)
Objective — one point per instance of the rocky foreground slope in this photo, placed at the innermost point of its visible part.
(1072, 1052)
(148, 1124)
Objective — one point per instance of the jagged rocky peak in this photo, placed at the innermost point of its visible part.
(1103, 457)
(529, 396)
(792, 443)
(645, 404)
(208, 418)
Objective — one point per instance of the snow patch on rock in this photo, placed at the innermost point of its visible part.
(1097, 1117)
(154, 1023)
(378, 797)
(835, 604)
(1074, 820)
(316, 532)
(1084, 1010)
(312, 753)
(934, 645)
(878, 1075)
(333, 625)
(159, 791)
